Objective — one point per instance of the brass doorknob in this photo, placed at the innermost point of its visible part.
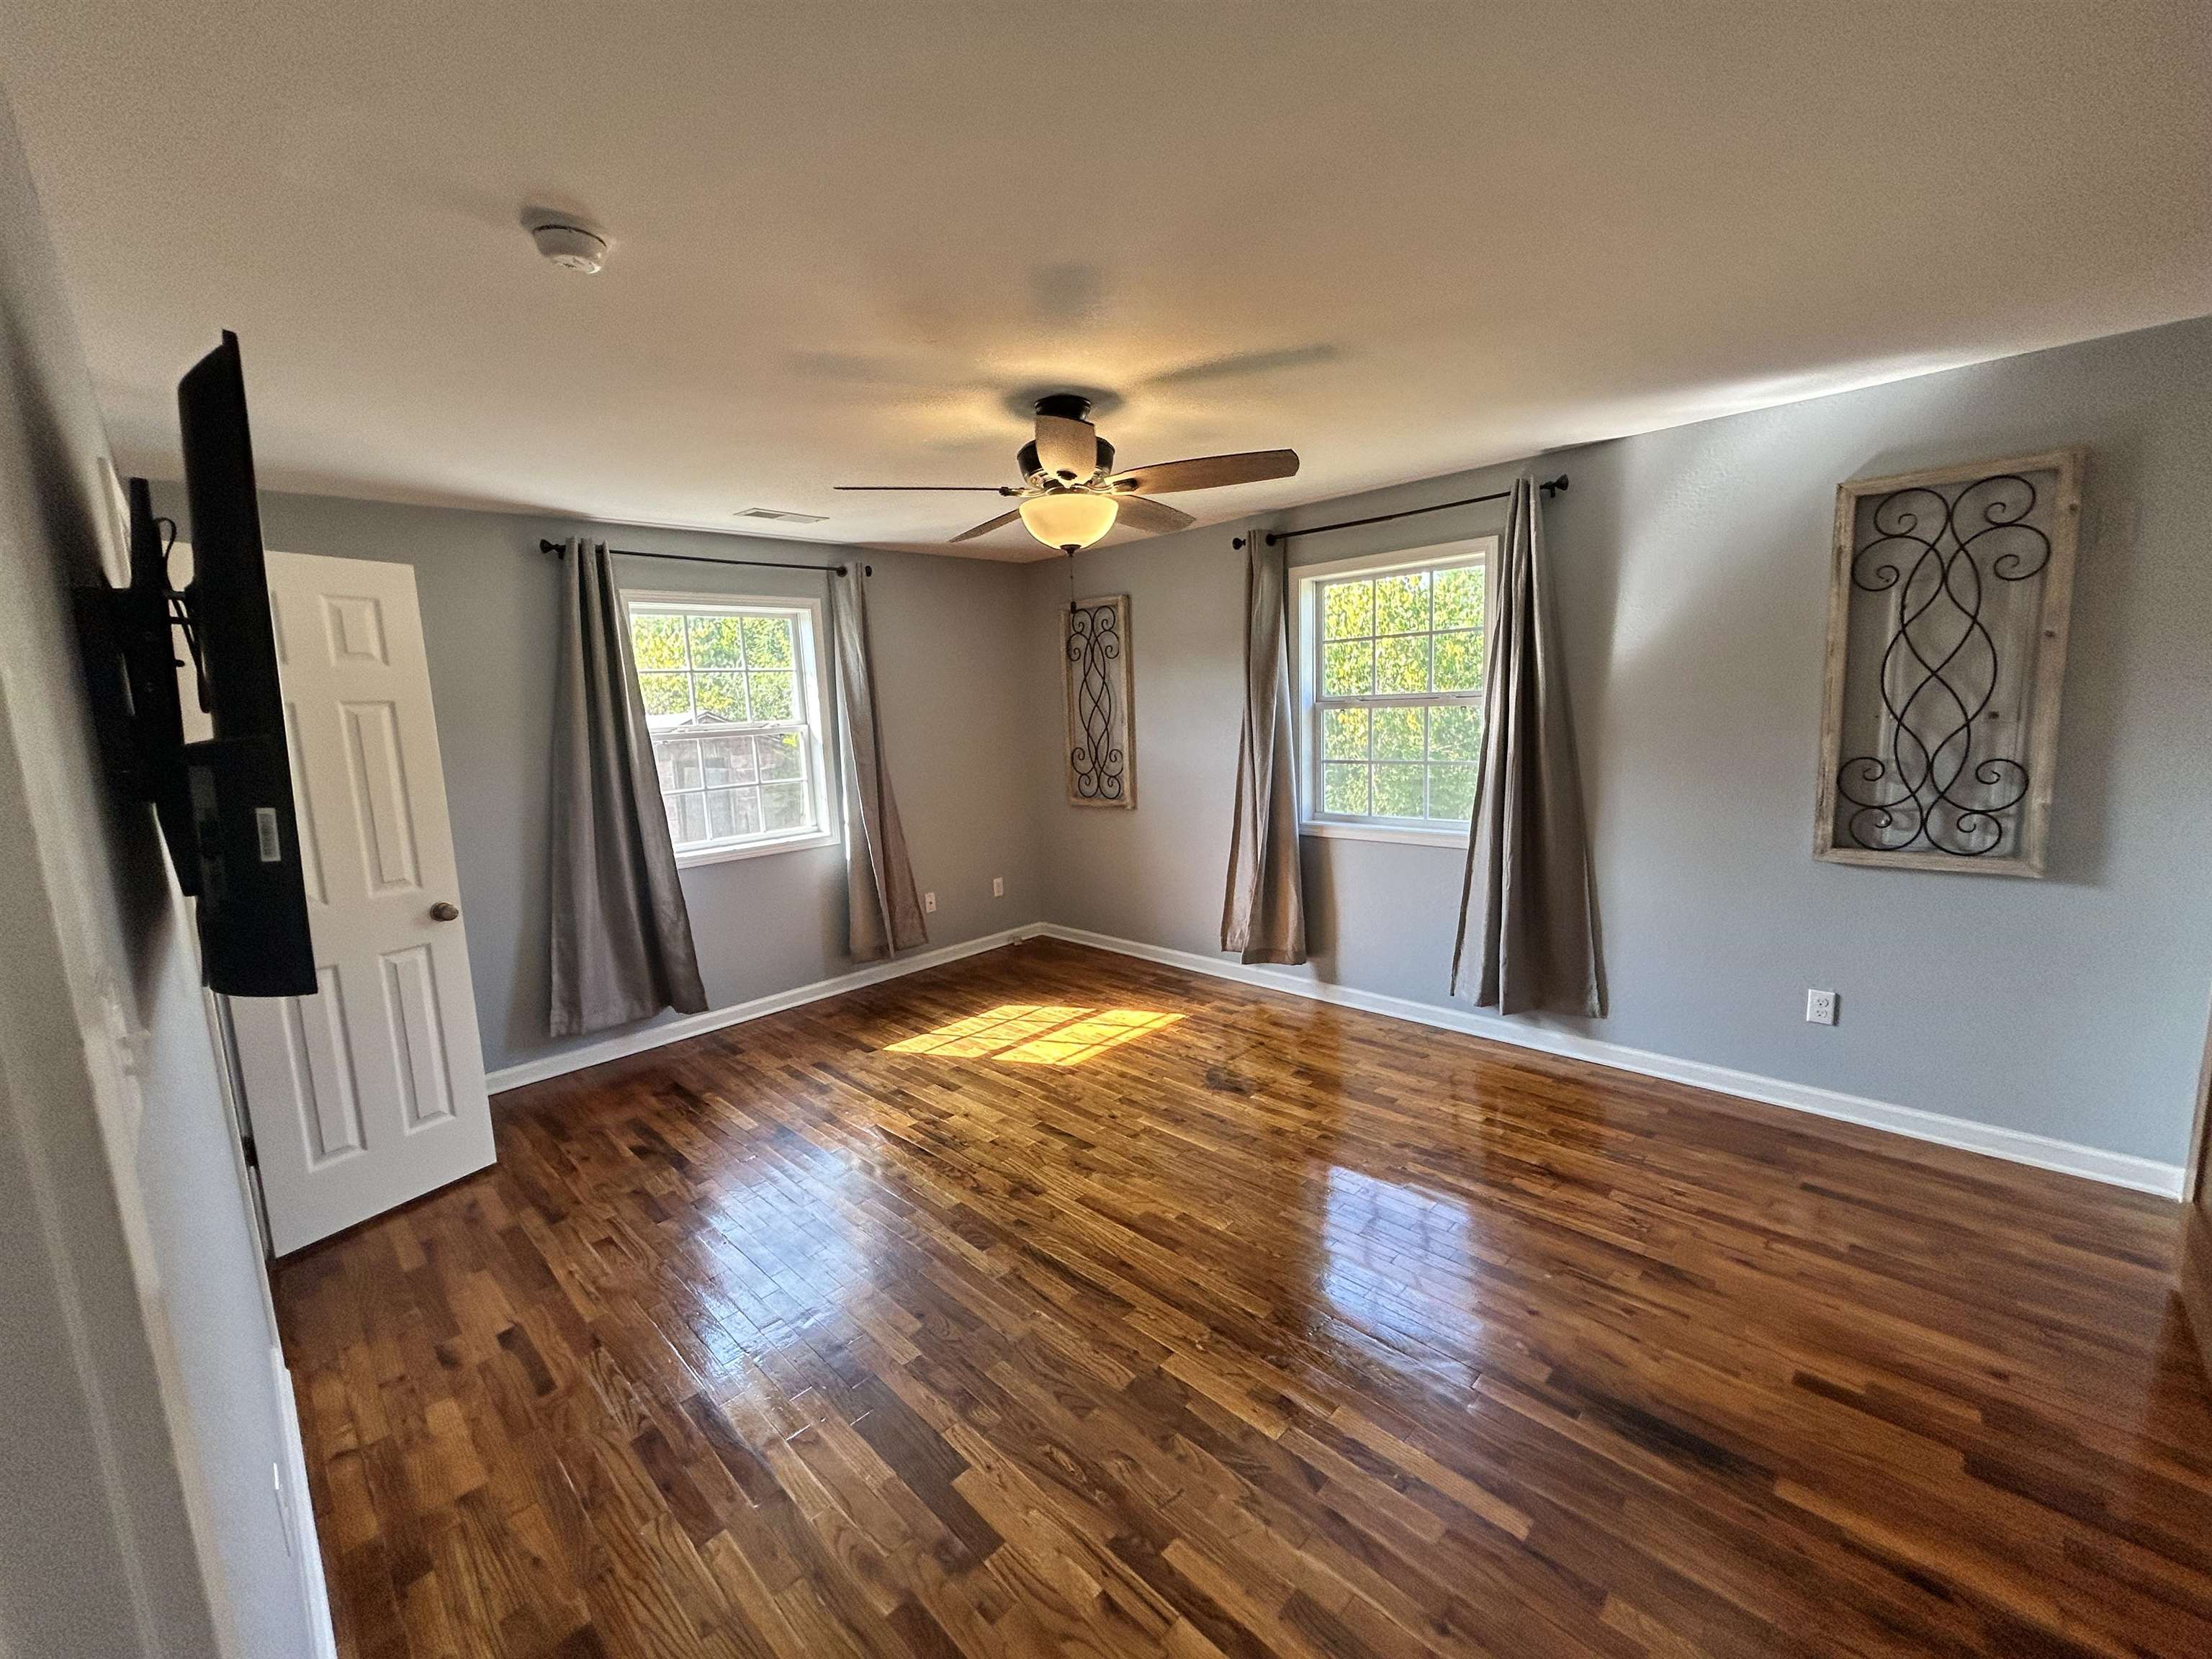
(444, 910)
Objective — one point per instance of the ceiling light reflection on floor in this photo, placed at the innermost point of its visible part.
(1035, 1033)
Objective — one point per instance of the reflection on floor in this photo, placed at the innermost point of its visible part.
(1398, 1261)
(1238, 1325)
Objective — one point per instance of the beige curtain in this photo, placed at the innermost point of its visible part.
(1527, 911)
(883, 910)
(1263, 914)
(621, 937)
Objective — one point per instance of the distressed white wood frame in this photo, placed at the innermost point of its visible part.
(2058, 514)
(1122, 726)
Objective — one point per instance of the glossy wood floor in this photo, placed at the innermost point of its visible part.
(1054, 1303)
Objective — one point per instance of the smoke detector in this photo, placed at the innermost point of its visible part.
(570, 246)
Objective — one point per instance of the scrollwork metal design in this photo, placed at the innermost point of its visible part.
(1097, 764)
(1940, 667)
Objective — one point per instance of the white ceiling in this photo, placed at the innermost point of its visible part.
(1404, 239)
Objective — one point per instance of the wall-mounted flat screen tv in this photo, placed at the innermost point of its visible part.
(225, 805)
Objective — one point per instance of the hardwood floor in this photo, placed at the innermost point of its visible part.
(912, 1323)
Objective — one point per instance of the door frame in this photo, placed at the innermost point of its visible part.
(2194, 1275)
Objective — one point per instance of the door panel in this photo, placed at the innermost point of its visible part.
(380, 795)
(319, 1070)
(411, 999)
(371, 1092)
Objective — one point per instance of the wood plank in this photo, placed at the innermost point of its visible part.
(1279, 1330)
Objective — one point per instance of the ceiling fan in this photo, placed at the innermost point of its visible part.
(1071, 496)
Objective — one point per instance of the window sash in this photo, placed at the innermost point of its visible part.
(1402, 700)
(1456, 771)
(685, 792)
(1319, 705)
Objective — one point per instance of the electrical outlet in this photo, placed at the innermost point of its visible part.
(929, 902)
(1819, 1007)
(998, 887)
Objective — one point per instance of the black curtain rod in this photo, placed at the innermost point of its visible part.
(544, 546)
(1550, 486)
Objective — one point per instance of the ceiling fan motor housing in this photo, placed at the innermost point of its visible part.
(1033, 468)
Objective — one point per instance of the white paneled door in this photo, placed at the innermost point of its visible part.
(371, 1092)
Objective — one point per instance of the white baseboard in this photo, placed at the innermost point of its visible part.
(299, 1514)
(2118, 1169)
(715, 1019)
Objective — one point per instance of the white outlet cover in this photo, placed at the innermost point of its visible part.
(1819, 1007)
(998, 887)
(929, 902)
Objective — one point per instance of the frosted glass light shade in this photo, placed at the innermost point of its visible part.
(1069, 519)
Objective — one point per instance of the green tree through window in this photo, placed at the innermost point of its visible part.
(1397, 729)
(731, 721)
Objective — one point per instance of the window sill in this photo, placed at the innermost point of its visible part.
(1401, 835)
(755, 849)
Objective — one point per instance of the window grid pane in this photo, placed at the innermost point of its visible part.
(1348, 610)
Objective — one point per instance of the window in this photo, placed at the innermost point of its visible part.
(1391, 652)
(733, 697)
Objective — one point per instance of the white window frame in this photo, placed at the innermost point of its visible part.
(1475, 550)
(813, 688)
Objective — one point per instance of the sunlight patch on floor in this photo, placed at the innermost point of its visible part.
(1035, 1033)
(1073, 1044)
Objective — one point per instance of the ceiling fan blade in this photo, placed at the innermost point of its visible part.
(995, 490)
(988, 526)
(1067, 449)
(1153, 518)
(1209, 472)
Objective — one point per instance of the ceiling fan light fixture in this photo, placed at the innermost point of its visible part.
(1071, 496)
(1069, 519)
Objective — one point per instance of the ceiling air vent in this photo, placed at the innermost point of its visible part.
(782, 517)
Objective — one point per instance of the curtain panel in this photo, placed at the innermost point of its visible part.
(1263, 911)
(1528, 917)
(883, 910)
(621, 937)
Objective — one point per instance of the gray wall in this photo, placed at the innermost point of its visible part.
(1692, 571)
(141, 1412)
(1691, 568)
(948, 647)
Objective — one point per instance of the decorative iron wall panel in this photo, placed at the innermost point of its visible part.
(1101, 746)
(1947, 645)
